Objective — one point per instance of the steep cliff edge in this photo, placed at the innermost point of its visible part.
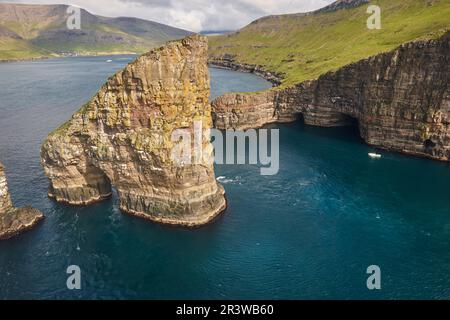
(14, 221)
(400, 99)
(303, 46)
(123, 138)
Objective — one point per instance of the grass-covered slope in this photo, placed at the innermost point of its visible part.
(14, 47)
(305, 46)
(33, 31)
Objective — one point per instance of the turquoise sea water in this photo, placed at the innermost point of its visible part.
(309, 232)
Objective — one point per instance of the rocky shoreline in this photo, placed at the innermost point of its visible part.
(106, 54)
(182, 222)
(14, 221)
(24, 60)
(400, 100)
(227, 62)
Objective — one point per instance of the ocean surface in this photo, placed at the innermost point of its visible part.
(309, 232)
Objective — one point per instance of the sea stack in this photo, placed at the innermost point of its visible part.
(14, 221)
(122, 138)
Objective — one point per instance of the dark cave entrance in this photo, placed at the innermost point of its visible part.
(336, 120)
(300, 118)
(348, 128)
(349, 121)
(352, 125)
(339, 126)
(429, 145)
(98, 180)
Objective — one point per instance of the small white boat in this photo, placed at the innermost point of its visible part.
(108, 61)
(375, 155)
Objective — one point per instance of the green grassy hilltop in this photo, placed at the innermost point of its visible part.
(305, 46)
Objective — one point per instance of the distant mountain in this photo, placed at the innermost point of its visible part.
(35, 31)
(342, 4)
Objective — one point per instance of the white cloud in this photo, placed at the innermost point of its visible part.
(195, 15)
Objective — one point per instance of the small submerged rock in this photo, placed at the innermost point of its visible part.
(14, 221)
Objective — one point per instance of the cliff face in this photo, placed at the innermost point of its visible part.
(123, 138)
(400, 99)
(14, 221)
(245, 111)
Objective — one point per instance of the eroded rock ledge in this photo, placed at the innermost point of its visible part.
(14, 221)
(228, 62)
(122, 139)
(400, 100)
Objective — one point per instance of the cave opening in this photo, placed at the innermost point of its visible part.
(99, 181)
(300, 118)
(352, 123)
(336, 125)
(350, 127)
(429, 144)
(336, 120)
(349, 121)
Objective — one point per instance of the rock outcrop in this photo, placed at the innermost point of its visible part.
(122, 138)
(14, 221)
(228, 62)
(400, 100)
(242, 111)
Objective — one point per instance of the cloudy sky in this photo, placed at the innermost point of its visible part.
(194, 15)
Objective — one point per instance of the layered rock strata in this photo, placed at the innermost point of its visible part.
(14, 221)
(122, 138)
(400, 100)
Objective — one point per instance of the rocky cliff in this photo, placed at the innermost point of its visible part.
(122, 138)
(400, 99)
(14, 221)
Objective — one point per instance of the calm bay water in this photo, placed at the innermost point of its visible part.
(309, 232)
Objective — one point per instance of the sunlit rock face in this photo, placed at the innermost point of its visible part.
(123, 138)
(14, 221)
(400, 100)
(5, 199)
